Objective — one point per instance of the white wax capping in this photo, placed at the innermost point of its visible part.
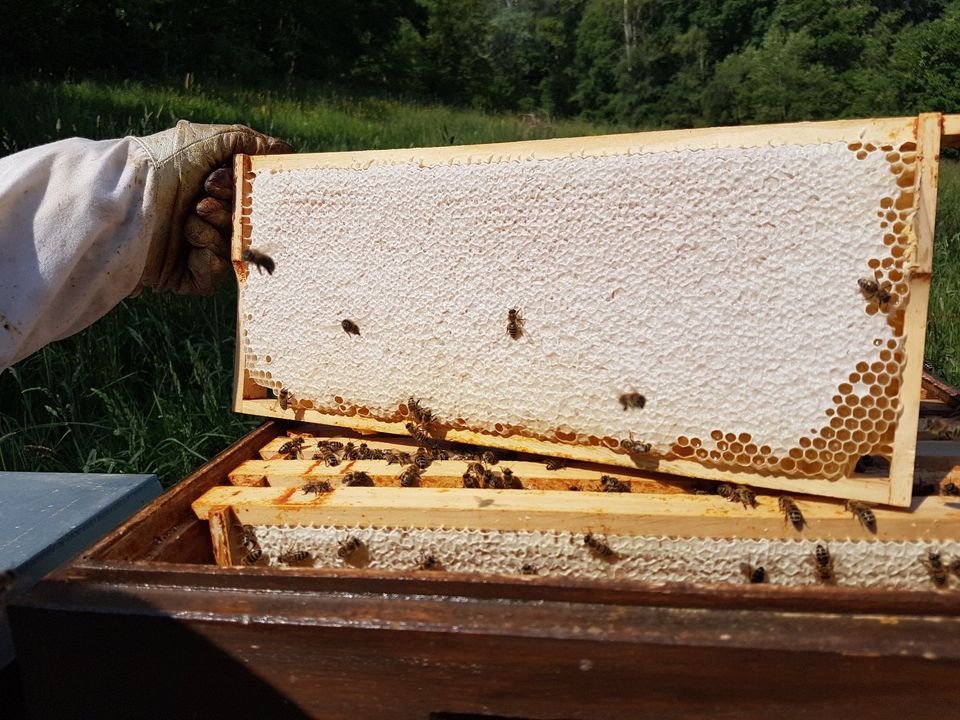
(856, 563)
(720, 284)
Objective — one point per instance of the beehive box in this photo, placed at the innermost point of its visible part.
(166, 608)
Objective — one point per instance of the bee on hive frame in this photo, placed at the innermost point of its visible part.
(632, 400)
(934, 566)
(422, 459)
(598, 547)
(875, 290)
(429, 562)
(284, 397)
(293, 557)
(514, 324)
(349, 546)
(635, 447)
(746, 496)
(555, 464)
(791, 512)
(357, 479)
(260, 259)
(862, 513)
(329, 457)
(753, 574)
(611, 484)
(253, 555)
(417, 433)
(317, 488)
(350, 327)
(292, 449)
(824, 564)
(410, 477)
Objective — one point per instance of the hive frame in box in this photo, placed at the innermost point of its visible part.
(926, 131)
(145, 610)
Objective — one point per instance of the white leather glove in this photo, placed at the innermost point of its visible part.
(193, 180)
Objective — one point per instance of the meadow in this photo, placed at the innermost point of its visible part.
(147, 388)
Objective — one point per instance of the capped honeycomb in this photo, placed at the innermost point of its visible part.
(752, 297)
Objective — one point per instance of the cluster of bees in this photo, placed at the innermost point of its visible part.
(788, 506)
(824, 572)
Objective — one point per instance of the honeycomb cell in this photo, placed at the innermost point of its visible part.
(892, 344)
(338, 400)
(795, 453)
(730, 437)
(892, 157)
(889, 239)
(831, 469)
(909, 147)
(819, 443)
(835, 445)
(873, 263)
(810, 454)
(862, 154)
(805, 442)
(715, 455)
(750, 448)
(702, 454)
(876, 390)
(854, 146)
(716, 435)
(845, 389)
(766, 450)
(850, 400)
(843, 434)
(826, 432)
(854, 378)
(836, 422)
(683, 441)
(682, 451)
(895, 276)
(869, 147)
(736, 447)
(610, 442)
(869, 378)
(728, 457)
(743, 459)
(788, 465)
(844, 411)
(859, 412)
(268, 359)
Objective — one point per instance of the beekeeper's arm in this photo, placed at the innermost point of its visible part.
(84, 224)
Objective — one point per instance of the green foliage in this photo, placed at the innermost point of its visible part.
(943, 316)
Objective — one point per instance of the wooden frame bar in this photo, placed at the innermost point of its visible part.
(926, 131)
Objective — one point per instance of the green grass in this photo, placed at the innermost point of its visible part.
(147, 388)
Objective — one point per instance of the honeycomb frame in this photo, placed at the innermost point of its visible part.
(874, 410)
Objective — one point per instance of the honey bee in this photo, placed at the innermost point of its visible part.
(514, 324)
(934, 566)
(875, 290)
(331, 445)
(317, 488)
(350, 452)
(357, 479)
(598, 547)
(253, 555)
(746, 496)
(862, 513)
(632, 400)
(422, 459)
(470, 480)
(528, 569)
(951, 489)
(635, 447)
(410, 477)
(417, 433)
(349, 546)
(429, 562)
(350, 327)
(261, 260)
(378, 454)
(489, 457)
(399, 458)
(293, 557)
(824, 563)
(791, 512)
(574, 488)
(292, 448)
(510, 481)
(284, 397)
(555, 464)
(421, 415)
(329, 457)
(248, 536)
(753, 574)
(727, 491)
(613, 485)
(440, 454)
(364, 452)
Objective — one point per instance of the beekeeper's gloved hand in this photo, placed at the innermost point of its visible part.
(190, 244)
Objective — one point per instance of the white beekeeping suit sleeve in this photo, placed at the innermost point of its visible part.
(73, 238)
(83, 224)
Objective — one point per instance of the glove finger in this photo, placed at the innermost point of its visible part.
(251, 142)
(216, 213)
(205, 271)
(219, 183)
(204, 236)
